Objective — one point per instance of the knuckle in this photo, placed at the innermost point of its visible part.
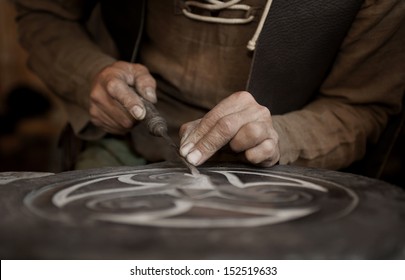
(188, 131)
(120, 64)
(207, 146)
(139, 68)
(251, 156)
(236, 145)
(145, 80)
(268, 148)
(112, 85)
(253, 130)
(96, 96)
(243, 96)
(266, 151)
(263, 111)
(127, 101)
(211, 118)
(225, 126)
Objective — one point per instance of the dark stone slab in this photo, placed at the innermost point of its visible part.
(157, 212)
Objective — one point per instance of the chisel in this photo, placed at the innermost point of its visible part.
(157, 126)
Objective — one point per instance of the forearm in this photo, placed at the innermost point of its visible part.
(328, 133)
(61, 51)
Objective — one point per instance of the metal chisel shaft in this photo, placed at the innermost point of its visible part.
(157, 126)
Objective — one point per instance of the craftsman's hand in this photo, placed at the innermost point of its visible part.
(115, 104)
(238, 120)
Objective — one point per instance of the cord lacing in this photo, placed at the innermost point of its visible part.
(216, 5)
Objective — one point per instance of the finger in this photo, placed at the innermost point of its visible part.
(123, 94)
(121, 116)
(97, 114)
(223, 131)
(186, 129)
(144, 83)
(103, 102)
(122, 79)
(250, 135)
(138, 76)
(103, 120)
(265, 154)
(234, 103)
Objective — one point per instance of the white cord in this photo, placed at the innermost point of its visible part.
(252, 42)
(215, 5)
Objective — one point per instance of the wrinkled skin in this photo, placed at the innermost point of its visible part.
(115, 105)
(238, 120)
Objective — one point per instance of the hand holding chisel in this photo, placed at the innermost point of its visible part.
(157, 126)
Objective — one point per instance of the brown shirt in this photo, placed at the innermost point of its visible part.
(204, 61)
(364, 87)
(197, 64)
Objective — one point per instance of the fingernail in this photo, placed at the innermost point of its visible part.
(138, 112)
(194, 157)
(151, 94)
(185, 149)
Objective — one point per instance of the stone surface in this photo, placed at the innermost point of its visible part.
(229, 212)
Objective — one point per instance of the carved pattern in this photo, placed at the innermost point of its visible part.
(168, 197)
